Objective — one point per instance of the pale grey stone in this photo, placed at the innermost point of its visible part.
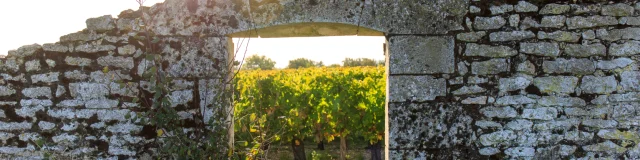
(52, 47)
(488, 151)
(475, 89)
(499, 137)
(601, 99)
(7, 91)
(101, 24)
(561, 101)
(37, 92)
(77, 61)
(630, 80)
(562, 36)
(462, 69)
(614, 64)
(33, 65)
(50, 63)
(144, 65)
(61, 113)
(606, 146)
(415, 88)
(633, 21)
(501, 9)
(124, 128)
(579, 136)
(71, 103)
(128, 89)
(526, 67)
(473, 49)
(80, 36)
(30, 107)
(121, 62)
(499, 112)
(549, 49)
(471, 36)
(553, 21)
(111, 76)
(578, 22)
(438, 52)
(541, 113)
(113, 150)
(584, 9)
(617, 134)
(488, 124)
(618, 9)
(75, 75)
(618, 34)
(101, 103)
(475, 100)
(566, 150)
(12, 65)
(519, 124)
(514, 20)
(514, 100)
(589, 34)
(64, 138)
(88, 91)
(12, 126)
(180, 97)
(127, 24)
(98, 125)
(487, 23)
(598, 85)
(4, 136)
(2, 115)
(626, 49)
(580, 50)
(556, 125)
(92, 48)
(493, 66)
(44, 125)
(70, 126)
(477, 80)
(625, 97)
(574, 66)
(474, 9)
(556, 84)
(127, 50)
(119, 115)
(46, 78)
(512, 84)
(599, 123)
(457, 80)
(520, 151)
(524, 6)
(511, 36)
(25, 51)
(60, 91)
(529, 22)
(555, 9)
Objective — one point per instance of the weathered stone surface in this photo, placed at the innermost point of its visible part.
(556, 125)
(415, 88)
(489, 51)
(578, 136)
(46, 78)
(561, 101)
(556, 84)
(549, 49)
(471, 36)
(512, 84)
(52, 47)
(488, 124)
(511, 36)
(31, 106)
(501, 9)
(111, 76)
(71, 103)
(120, 62)
(75, 75)
(520, 151)
(475, 100)
(625, 49)
(7, 91)
(124, 89)
(487, 151)
(542, 113)
(599, 123)
(578, 22)
(634, 21)
(101, 103)
(514, 100)
(617, 134)
(589, 34)
(438, 52)
(614, 64)
(618, 9)
(499, 137)
(553, 21)
(477, 80)
(555, 9)
(499, 112)
(180, 97)
(630, 80)
(77, 61)
(598, 85)
(625, 97)
(487, 23)
(33, 65)
(618, 34)
(37, 92)
(101, 24)
(519, 124)
(514, 20)
(50, 63)
(575, 66)
(12, 126)
(529, 22)
(526, 67)
(91, 48)
(493, 66)
(578, 50)
(562, 36)
(127, 24)
(60, 91)
(12, 65)
(586, 9)
(127, 50)
(524, 6)
(606, 146)
(88, 91)
(25, 51)
(469, 90)
(44, 125)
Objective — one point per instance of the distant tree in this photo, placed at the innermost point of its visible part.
(353, 62)
(258, 62)
(334, 65)
(303, 63)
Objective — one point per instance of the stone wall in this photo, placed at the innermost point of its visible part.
(467, 79)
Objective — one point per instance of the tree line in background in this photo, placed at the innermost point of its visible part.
(265, 63)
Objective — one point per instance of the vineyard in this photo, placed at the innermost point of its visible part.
(290, 107)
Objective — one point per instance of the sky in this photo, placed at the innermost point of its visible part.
(44, 21)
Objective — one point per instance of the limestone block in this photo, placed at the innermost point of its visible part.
(415, 88)
(421, 55)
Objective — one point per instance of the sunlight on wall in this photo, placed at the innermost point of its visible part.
(329, 50)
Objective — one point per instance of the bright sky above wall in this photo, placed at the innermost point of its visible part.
(44, 21)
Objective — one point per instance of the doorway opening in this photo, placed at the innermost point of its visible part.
(309, 90)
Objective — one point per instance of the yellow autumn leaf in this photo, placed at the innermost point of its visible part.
(105, 69)
(297, 142)
(160, 132)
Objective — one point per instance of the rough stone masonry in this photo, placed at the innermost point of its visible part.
(473, 79)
